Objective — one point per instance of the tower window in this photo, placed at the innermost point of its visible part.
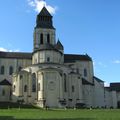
(10, 70)
(48, 38)
(2, 70)
(85, 72)
(41, 38)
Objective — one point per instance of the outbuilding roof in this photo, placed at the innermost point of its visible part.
(115, 86)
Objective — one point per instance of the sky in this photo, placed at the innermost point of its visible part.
(83, 26)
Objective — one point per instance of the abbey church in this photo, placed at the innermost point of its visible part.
(49, 78)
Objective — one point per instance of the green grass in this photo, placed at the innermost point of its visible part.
(38, 114)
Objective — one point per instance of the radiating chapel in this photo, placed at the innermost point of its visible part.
(49, 78)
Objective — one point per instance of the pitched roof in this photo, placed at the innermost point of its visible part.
(5, 82)
(97, 79)
(18, 55)
(115, 86)
(69, 58)
(86, 82)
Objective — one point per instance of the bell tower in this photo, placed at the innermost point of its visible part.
(44, 32)
(46, 49)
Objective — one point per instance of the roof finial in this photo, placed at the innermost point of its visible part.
(44, 3)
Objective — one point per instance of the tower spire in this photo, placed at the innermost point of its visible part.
(44, 19)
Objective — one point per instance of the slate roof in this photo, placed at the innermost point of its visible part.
(44, 12)
(99, 80)
(115, 86)
(5, 82)
(18, 55)
(86, 82)
(69, 58)
(44, 19)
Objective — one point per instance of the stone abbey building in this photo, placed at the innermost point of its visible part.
(48, 77)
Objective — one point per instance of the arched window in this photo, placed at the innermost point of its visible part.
(33, 82)
(65, 83)
(25, 88)
(38, 86)
(10, 70)
(73, 88)
(48, 38)
(41, 38)
(14, 88)
(85, 72)
(2, 70)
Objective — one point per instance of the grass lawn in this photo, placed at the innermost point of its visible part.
(38, 114)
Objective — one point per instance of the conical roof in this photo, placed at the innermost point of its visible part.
(59, 45)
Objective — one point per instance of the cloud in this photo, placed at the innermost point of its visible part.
(39, 4)
(7, 50)
(116, 61)
(106, 84)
